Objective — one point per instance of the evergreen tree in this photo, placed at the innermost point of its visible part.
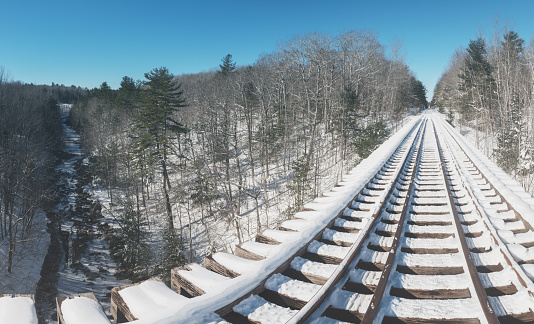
(369, 138)
(419, 92)
(156, 127)
(508, 151)
(227, 67)
(476, 81)
(300, 184)
(129, 247)
(173, 255)
(127, 94)
(512, 45)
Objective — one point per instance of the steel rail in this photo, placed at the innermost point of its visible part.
(372, 310)
(304, 313)
(489, 313)
(522, 277)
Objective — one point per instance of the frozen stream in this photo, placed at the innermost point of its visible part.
(86, 264)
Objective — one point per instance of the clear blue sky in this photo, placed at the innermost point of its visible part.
(84, 43)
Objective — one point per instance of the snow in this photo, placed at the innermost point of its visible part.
(501, 278)
(311, 267)
(195, 308)
(150, 297)
(309, 215)
(354, 302)
(18, 310)
(518, 303)
(431, 260)
(335, 236)
(429, 209)
(374, 256)
(202, 278)
(422, 243)
(521, 253)
(430, 218)
(292, 288)
(233, 262)
(357, 213)
(430, 282)
(340, 222)
(83, 310)
(430, 308)
(519, 238)
(379, 240)
(328, 250)
(260, 249)
(296, 224)
(391, 228)
(432, 229)
(259, 310)
(281, 236)
(364, 206)
(529, 270)
(368, 278)
(483, 241)
(27, 260)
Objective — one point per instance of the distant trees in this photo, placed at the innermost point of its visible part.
(489, 85)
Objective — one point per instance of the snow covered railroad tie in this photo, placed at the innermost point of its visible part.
(17, 309)
(80, 308)
(424, 230)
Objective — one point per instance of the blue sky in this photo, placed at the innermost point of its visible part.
(84, 43)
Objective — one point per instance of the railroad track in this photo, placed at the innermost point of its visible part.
(422, 233)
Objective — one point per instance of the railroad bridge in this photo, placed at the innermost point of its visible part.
(425, 230)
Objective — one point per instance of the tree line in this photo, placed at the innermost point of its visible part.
(218, 156)
(489, 86)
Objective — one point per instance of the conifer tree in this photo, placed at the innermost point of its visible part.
(476, 80)
(227, 66)
(156, 127)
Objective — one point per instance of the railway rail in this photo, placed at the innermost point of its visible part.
(422, 233)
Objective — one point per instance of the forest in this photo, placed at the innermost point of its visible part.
(488, 88)
(199, 163)
(30, 144)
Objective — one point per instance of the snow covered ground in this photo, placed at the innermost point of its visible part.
(27, 261)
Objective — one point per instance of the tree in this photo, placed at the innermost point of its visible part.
(173, 255)
(476, 81)
(370, 138)
(227, 67)
(127, 94)
(129, 247)
(419, 92)
(512, 45)
(155, 125)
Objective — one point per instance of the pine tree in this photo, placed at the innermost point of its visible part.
(127, 94)
(476, 80)
(369, 138)
(419, 92)
(173, 255)
(129, 247)
(512, 45)
(227, 67)
(156, 126)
